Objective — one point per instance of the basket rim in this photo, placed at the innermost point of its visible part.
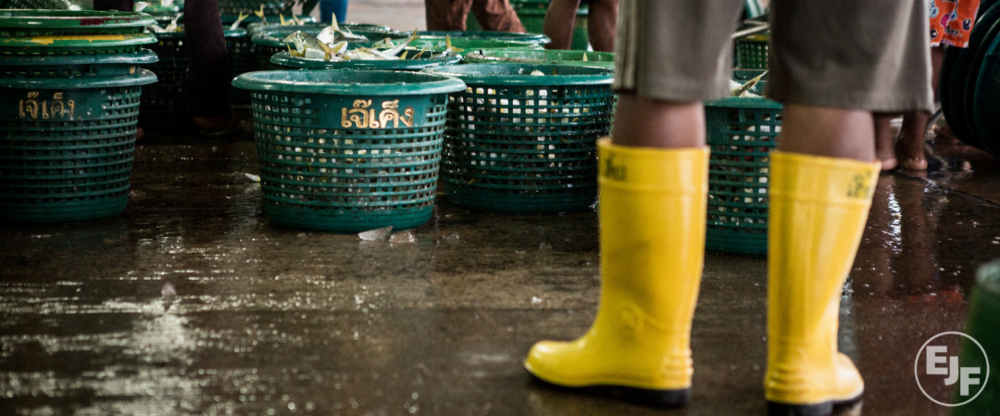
(420, 85)
(287, 60)
(590, 76)
(537, 38)
(83, 42)
(229, 33)
(142, 57)
(143, 77)
(470, 44)
(63, 19)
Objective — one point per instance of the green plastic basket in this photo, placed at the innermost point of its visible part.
(171, 95)
(522, 143)
(284, 60)
(983, 326)
(348, 151)
(308, 21)
(741, 134)
(30, 23)
(533, 19)
(986, 102)
(959, 63)
(536, 38)
(751, 52)
(270, 40)
(74, 45)
(75, 66)
(66, 146)
(557, 57)
(976, 77)
(253, 22)
(37, 4)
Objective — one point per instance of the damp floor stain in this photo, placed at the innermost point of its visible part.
(192, 303)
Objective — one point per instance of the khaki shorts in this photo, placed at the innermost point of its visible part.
(859, 54)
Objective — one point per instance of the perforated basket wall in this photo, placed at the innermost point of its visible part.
(348, 162)
(751, 52)
(91, 66)
(66, 154)
(171, 94)
(741, 134)
(511, 147)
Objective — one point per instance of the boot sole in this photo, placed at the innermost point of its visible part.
(818, 409)
(647, 397)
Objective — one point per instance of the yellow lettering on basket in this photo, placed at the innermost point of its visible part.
(56, 109)
(361, 116)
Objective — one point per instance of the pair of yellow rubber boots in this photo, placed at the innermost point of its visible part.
(652, 214)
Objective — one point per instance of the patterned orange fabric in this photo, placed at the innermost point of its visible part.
(951, 21)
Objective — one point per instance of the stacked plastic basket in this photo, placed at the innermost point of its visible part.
(742, 131)
(348, 151)
(71, 84)
(523, 138)
(970, 81)
(170, 98)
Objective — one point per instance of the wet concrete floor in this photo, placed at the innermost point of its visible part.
(192, 303)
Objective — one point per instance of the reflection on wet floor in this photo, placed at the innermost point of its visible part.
(191, 303)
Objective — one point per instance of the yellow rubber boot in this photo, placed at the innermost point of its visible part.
(818, 209)
(652, 212)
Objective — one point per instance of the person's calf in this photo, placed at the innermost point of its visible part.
(885, 138)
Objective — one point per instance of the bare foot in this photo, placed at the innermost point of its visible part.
(888, 163)
(910, 154)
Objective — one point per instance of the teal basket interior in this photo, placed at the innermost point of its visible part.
(741, 134)
(66, 150)
(348, 151)
(751, 52)
(525, 144)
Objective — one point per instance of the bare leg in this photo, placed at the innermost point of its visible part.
(884, 140)
(645, 122)
(830, 132)
(910, 147)
(496, 16)
(559, 21)
(601, 24)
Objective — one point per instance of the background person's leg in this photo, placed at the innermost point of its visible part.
(497, 16)
(559, 21)
(885, 140)
(446, 14)
(601, 24)
(327, 8)
(120, 5)
(910, 147)
(211, 67)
